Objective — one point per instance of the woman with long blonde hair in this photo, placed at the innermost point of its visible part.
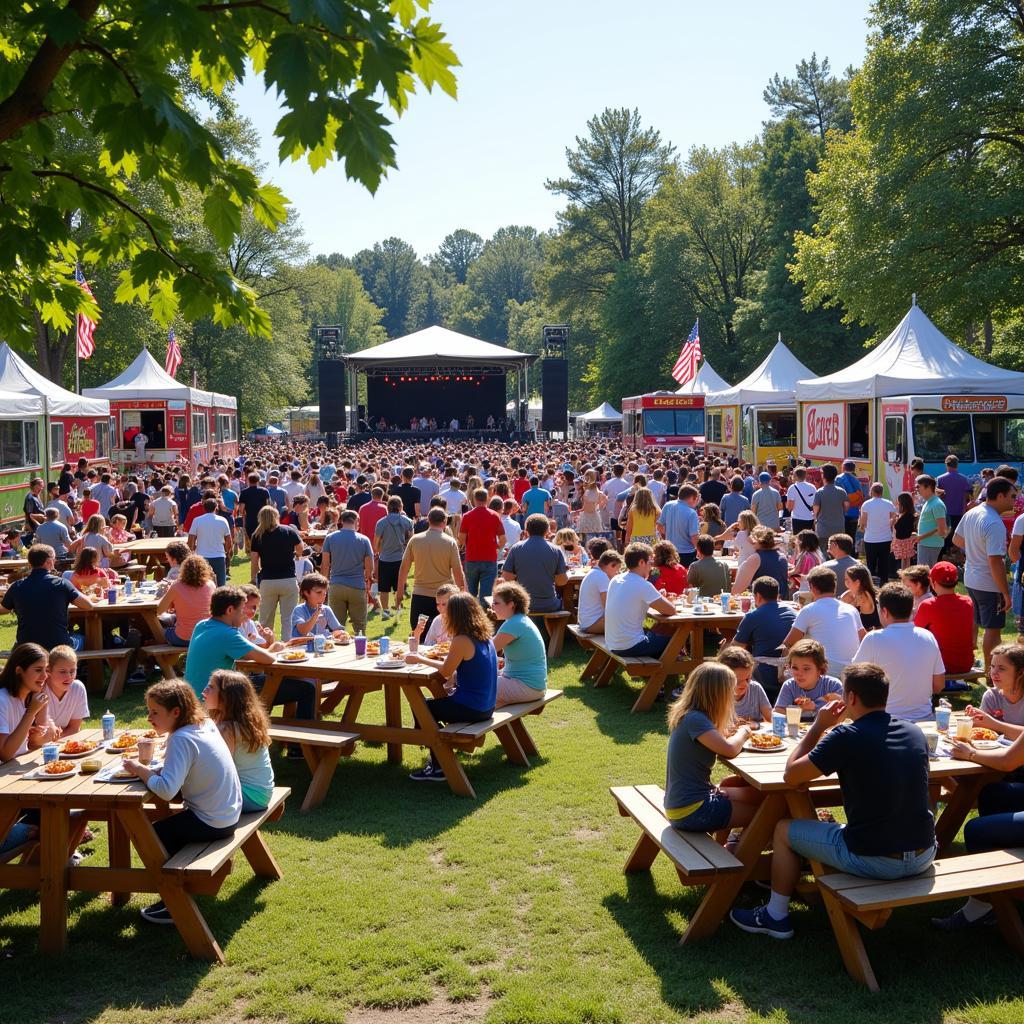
(594, 502)
(641, 523)
(473, 661)
(702, 727)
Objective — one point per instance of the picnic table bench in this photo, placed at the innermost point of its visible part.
(116, 657)
(604, 663)
(166, 656)
(994, 876)
(322, 749)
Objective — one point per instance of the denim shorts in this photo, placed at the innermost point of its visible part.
(823, 841)
(987, 605)
(712, 815)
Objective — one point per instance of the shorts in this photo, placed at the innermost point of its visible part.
(714, 814)
(987, 604)
(823, 841)
(387, 575)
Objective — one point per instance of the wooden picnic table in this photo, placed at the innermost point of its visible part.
(127, 807)
(764, 771)
(342, 678)
(150, 552)
(105, 615)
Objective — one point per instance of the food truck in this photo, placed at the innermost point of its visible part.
(916, 394)
(42, 426)
(179, 422)
(670, 419)
(755, 421)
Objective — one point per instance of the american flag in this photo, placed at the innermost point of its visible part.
(689, 356)
(84, 327)
(173, 360)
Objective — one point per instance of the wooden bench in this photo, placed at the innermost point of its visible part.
(996, 876)
(506, 723)
(166, 656)
(962, 677)
(117, 658)
(603, 664)
(698, 859)
(322, 749)
(202, 867)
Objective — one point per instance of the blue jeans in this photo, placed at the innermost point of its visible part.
(821, 840)
(1000, 821)
(480, 577)
(652, 646)
(300, 692)
(172, 638)
(220, 569)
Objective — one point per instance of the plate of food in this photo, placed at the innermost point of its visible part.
(329, 645)
(439, 650)
(56, 770)
(981, 734)
(390, 662)
(126, 741)
(398, 650)
(372, 648)
(763, 742)
(986, 744)
(78, 748)
(293, 655)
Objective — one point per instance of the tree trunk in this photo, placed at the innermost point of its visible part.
(969, 337)
(988, 336)
(51, 350)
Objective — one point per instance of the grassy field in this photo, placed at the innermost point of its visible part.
(403, 904)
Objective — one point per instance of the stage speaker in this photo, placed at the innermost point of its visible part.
(331, 375)
(554, 417)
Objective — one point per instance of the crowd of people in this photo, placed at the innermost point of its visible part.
(487, 533)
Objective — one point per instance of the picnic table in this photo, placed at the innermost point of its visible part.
(103, 615)
(128, 807)
(343, 679)
(150, 552)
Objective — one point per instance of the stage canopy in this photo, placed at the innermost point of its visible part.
(38, 394)
(438, 347)
(772, 383)
(916, 359)
(704, 383)
(146, 380)
(604, 413)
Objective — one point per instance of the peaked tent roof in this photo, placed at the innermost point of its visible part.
(18, 405)
(772, 382)
(704, 383)
(17, 376)
(437, 346)
(604, 413)
(145, 379)
(916, 359)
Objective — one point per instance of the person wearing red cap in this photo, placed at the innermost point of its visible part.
(950, 618)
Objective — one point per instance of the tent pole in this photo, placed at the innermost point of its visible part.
(78, 385)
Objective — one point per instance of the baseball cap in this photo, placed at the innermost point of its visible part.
(944, 573)
(764, 478)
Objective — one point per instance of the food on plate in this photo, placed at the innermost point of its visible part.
(91, 765)
(126, 741)
(78, 747)
(764, 740)
(984, 734)
(58, 767)
(122, 773)
(439, 650)
(398, 650)
(373, 647)
(293, 656)
(329, 644)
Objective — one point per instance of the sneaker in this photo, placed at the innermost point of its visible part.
(956, 922)
(759, 921)
(676, 693)
(430, 772)
(385, 615)
(75, 859)
(157, 914)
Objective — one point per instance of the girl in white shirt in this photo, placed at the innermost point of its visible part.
(69, 701)
(25, 722)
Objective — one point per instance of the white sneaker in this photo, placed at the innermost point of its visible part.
(385, 615)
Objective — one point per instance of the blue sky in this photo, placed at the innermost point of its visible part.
(533, 73)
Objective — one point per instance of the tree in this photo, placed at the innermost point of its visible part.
(457, 253)
(820, 100)
(79, 75)
(503, 273)
(390, 273)
(924, 195)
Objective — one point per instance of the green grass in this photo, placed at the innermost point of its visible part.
(513, 905)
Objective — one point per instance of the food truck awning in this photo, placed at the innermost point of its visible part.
(771, 383)
(41, 392)
(704, 383)
(146, 380)
(917, 358)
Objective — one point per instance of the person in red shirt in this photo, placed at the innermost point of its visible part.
(672, 577)
(372, 513)
(950, 617)
(482, 534)
(90, 506)
(520, 486)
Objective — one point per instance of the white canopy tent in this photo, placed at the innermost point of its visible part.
(771, 383)
(706, 381)
(38, 394)
(437, 346)
(19, 405)
(604, 413)
(917, 358)
(145, 379)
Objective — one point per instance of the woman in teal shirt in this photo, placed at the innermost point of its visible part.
(525, 675)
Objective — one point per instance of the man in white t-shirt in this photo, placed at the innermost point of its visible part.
(877, 516)
(140, 440)
(833, 623)
(210, 537)
(594, 592)
(800, 501)
(611, 489)
(428, 487)
(629, 598)
(910, 656)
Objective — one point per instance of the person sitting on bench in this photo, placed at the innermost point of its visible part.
(630, 596)
(882, 764)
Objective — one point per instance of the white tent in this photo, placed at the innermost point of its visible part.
(772, 383)
(704, 383)
(17, 376)
(19, 405)
(604, 413)
(916, 359)
(145, 379)
(437, 346)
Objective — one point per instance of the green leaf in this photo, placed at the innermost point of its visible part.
(433, 58)
(222, 215)
(270, 207)
(289, 66)
(164, 303)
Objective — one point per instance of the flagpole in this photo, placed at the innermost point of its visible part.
(78, 383)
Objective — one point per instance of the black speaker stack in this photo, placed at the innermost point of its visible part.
(554, 381)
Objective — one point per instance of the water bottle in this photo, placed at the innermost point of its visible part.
(385, 646)
(128, 587)
(778, 724)
(318, 643)
(107, 721)
(942, 715)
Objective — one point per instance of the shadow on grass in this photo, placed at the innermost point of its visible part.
(805, 977)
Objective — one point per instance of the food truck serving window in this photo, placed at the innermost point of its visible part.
(1000, 438)
(714, 427)
(776, 429)
(19, 443)
(198, 428)
(57, 442)
(670, 422)
(936, 436)
(858, 419)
